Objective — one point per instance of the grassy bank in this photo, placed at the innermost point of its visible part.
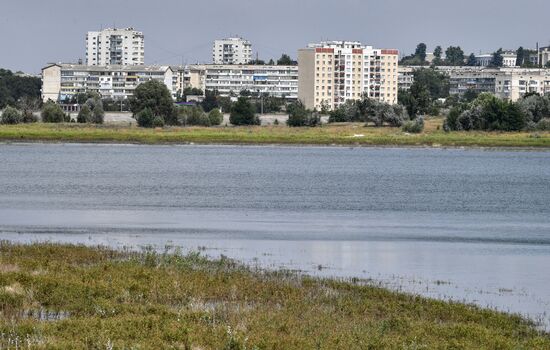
(68, 297)
(349, 134)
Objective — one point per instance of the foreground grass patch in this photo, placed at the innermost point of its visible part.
(98, 298)
(348, 134)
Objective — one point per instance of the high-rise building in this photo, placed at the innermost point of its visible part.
(232, 51)
(115, 47)
(333, 72)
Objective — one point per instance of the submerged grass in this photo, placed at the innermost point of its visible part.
(343, 134)
(126, 300)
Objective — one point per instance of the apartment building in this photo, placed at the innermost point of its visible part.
(405, 78)
(230, 80)
(544, 56)
(333, 72)
(62, 81)
(507, 83)
(115, 47)
(509, 59)
(232, 51)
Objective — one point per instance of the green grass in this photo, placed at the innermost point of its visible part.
(101, 299)
(343, 134)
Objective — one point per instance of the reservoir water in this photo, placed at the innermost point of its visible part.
(469, 225)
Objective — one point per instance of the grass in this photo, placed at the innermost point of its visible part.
(343, 134)
(97, 298)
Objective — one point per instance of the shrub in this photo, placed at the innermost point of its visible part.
(193, 116)
(215, 117)
(543, 124)
(84, 115)
(158, 122)
(145, 118)
(414, 126)
(29, 117)
(98, 114)
(11, 116)
(298, 115)
(52, 113)
(242, 113)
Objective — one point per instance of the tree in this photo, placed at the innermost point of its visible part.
(242, 113)
(520, 56)
(454, 56)
(285, 60)
(52, 113)
(298, 115)
(10, 115)
(96, 107)
(421, 52)
(497, 60)
(145, 118)
(215, 117)
(435, 81)
(437, 56)
(13, 87)
(210, 101)
(84, 115)
(472, 60)
(154, 95)
(271, 62)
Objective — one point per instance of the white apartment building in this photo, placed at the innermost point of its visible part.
(544, 56)
(509, 59)
(230, 80)
(506, 83)
(62, 81)
(115, 47)
(232, 51)
(333, 72)
(405, 78)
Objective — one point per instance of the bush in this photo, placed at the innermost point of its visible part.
(543, 124)
(145, 118)
(158, 122)
(52, 113)
(29, 117)
(414, 126)
(84, 115)
(242, 113)
(193, 116)
(215, 117)
(11, 116)
(298, 115)
(98, 114)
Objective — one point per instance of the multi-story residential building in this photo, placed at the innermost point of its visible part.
(405, 78)
(115, 47)
(230, 80)
(62, 81)
(232, 51)
(334, 72)
(506, 83)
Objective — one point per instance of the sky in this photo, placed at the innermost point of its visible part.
(36, 32)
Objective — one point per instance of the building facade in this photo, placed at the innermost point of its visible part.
(509, 59)
(405, 78)
(115, 47)
(544, 56)
(62, 81)
(333, 72)
(507, 83)
(232, 51)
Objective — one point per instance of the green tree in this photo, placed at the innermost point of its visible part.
(420, 52)
(497, 60)
(242, 113)
(10, 115)
(97, 113)
(520, 56)
(210, 101)
(145, 118)
(154, 95)
(52, 113)
(435, 81)
(299, 115)
(84, 115)
(437, 56)
(472, 60)
(454, 56)
(13, 87)
(215, 117)
(285, 60)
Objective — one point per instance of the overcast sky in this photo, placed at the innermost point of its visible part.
(35, 32)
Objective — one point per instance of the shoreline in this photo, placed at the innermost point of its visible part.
(252, 302)
(332, 135)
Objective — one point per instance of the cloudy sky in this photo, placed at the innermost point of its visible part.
(35, 32)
